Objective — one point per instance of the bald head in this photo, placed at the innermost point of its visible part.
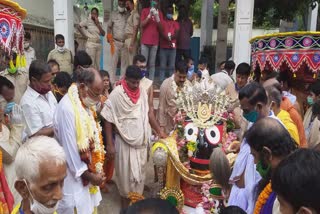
(272, 83)
(279, 142)
(90, 86)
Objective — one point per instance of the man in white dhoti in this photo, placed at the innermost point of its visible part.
(245, 177)
(127, 109)
(78, 132)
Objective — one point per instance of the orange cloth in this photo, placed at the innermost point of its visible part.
(296, 117)
(110, 40)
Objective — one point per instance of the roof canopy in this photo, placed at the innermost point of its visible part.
(11, 28)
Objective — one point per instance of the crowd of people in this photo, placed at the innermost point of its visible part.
(67, 126)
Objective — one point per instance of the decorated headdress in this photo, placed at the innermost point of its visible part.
(205, 103)
(11, 29)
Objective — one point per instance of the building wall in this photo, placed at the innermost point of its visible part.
(39, 22)
(39, 8)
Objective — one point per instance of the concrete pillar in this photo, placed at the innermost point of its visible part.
(312, 18)
(242, 31)
(206, 23)
(108, 7)
(63, 21)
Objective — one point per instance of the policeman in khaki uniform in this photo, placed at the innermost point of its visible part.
(116, 33)
(131, 32)
(91, 28)
(62, 55)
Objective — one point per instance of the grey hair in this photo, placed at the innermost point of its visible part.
(274, 95)
(35, 151)
(86, 76)
(220, 167)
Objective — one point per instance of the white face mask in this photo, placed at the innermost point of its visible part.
(89, 102)
(121, 9)
(26, 45)
(37, 207)
(61, 49)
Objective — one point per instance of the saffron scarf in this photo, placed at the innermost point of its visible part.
(134, 95)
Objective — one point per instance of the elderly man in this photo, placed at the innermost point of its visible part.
(167, 105)
(78, 132)
(275, 98)
(41, 168)
(116, 37)
(289, 107)
(38, 102)
(127, 109)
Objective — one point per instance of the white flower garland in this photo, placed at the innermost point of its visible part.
(88, 126)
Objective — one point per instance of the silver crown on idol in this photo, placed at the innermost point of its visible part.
(204, 102)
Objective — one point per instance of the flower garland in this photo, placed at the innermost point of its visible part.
(213, 198)
(89, 137)
(262, 199)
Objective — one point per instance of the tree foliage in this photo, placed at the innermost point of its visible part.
(267, 13)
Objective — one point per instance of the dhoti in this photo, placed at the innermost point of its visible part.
(129, 162)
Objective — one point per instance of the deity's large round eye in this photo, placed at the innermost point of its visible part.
(213, 135)
(191, 132)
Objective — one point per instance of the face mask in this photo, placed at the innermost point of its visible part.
(42, 90)
(262, 170)
(121, 9)
(251, 116)
(9, 107)
(144, 73)
(26, 45)
(89, 102)
(153, 4)
(169, 16)
(37, 207)
(190, 71)
(310, 100)
(61, 49)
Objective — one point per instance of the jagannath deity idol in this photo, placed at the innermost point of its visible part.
(193, 163)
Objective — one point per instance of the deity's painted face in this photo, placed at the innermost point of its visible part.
(207, 139)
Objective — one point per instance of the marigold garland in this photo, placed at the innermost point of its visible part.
(262, 199)
(89, 137)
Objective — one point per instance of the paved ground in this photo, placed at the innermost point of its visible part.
(111, 200)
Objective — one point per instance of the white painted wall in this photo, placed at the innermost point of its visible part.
(40, 8)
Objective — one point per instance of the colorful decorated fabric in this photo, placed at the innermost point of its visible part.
(11, 28)
(294, 49)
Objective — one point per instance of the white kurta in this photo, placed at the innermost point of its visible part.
(132, 123)
(245, 198)
(38, 110)
(75, 195)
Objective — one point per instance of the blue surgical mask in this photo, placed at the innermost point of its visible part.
(169, 16)
(310, 100)
(144, 73)
(251, 116)
(190, 72)
(9, 107)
